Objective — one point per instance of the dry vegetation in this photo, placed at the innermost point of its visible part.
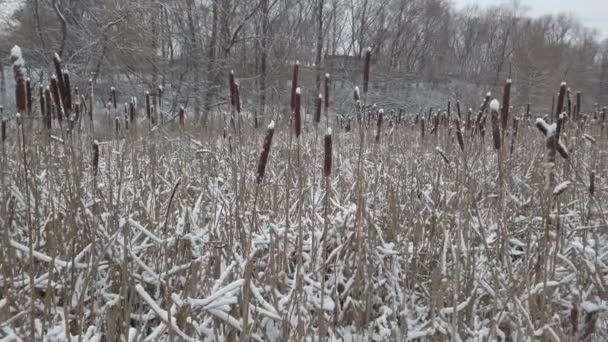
(423, 227)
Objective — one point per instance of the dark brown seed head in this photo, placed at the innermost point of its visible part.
(3, 130)
(297, 114)
(263, 161)
(57, 97)
(67, 94)
(148, 107)
(327, 80)
(294, 85)
(560, 99)
(506, 100)
(237, 97)
(132, 111)
(231, 83)
(379, 125)
(328, 154)
(578, 105)
(113, 97)
(95, 159)
(20, 79)
(182, 116)
(59, 73)
(494, 106)
(458, 110)
(28, 93)
(592, 183)
(317, 117)
(357, 96)
(49, 107)
(366, 69)
(160, 97)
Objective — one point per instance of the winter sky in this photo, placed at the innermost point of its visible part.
(592, 13)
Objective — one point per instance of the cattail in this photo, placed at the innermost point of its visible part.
(458, 110)
(265, 152)
(113, 97)
(528, 111)
(132, 110)
(126, 116)
(328, 152)
(569, 98)
(57, 97)
(294, 85)
(41, 102)
(560, 99)
(49, 106)
(148, 108)
(366, 69)
(327, 80)
(3, 130)
(231, 87)
(494, 107)
(76, 111)
(591, 182)
(468, 122)
(91, 100)
(160, 97)
(59, 73)
(28, 93)
(20, 82)
(317, 117)
(95, 159)
(506, 100)
(117, 124)
(578, 105)
(422, 127)
(447, 122)
(182, 116)
(357, 96)
(237, 97)
(67, 92)
(379, 125)
(459, 134)
(297, 109)
(574, 318)
(604, 112)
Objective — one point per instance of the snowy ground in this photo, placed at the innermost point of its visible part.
(410, 238)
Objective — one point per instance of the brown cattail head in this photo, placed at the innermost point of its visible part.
(49, 106)
(41, 102)
(160, 98)
(265, 152)
(459, 134)
(28, 93)
(67, 92)
(495, 107)
(117, 121)
(527, 111)
(328, 152)
(579, 96)
(327, 80)
(126, 115)
(366, 69)
(91, 100)
(604, 113)
(592, 183)
(182, 116)
(297, 114)
(20, 80)
(294, 85)
(449, 111)
(379, 125)
(231, 87)
(357, 96)
(113, 96)
(422, 129)
(95, 158)
(560, 99)
(148, 107)
(458, 110)
(132, 110)
(57, 97)
(569, 102)
(468, 121)
(3, 130)
(317, 117)
(506, 100)
(59, 73)
(237, 97)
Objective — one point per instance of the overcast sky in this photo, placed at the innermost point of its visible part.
(592, 13)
